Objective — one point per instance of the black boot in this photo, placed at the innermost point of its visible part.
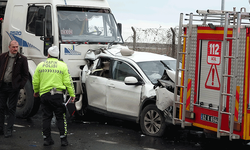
(48, 141)
(64, 141)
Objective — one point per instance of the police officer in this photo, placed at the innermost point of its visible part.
(50, 79)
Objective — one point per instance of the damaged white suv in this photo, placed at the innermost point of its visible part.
(121, 83)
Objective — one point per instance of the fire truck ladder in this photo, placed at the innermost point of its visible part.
(186, 54)
(233, 76)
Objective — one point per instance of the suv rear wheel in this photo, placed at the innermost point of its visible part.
(152, 121)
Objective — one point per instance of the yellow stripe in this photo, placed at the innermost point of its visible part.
(246, 122)
(189, 90)
(65, 124)
(182, 77)
(247, 129)
(213, 32)
(205, 127)
(188, 107)
(188, 95)
(237, 103)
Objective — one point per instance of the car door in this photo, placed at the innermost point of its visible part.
(121, 98)
(96, 86)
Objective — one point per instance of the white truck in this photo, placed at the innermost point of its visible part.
(72, 25)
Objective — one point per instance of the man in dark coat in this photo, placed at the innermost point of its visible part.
(13, 77)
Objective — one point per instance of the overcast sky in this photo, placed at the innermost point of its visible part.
(164, 13)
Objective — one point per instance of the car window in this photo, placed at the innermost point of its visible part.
(121, 70)
(102, 68)
(155, 69)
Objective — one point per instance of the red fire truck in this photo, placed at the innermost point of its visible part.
(214, 49)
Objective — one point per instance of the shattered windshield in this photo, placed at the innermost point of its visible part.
(80, 26)
(154, 69)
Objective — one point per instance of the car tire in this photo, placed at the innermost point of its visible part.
(27, 105)
(152, 121)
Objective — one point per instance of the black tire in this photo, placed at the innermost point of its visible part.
(27, 105)
(152, 121)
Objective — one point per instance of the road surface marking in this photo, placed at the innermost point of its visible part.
(109, 142)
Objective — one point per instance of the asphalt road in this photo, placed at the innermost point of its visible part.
(96, 132)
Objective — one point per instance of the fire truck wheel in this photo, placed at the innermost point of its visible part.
(152, 121)
(27, 105)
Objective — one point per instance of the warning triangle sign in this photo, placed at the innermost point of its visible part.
(213, 80)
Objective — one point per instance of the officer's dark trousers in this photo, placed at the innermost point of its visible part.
(53, 104)
(8, 101)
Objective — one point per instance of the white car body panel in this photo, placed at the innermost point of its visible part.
(164, 98)
(97, 91)
(127, 96)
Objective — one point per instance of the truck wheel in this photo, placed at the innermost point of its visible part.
(27, 106)
(152, 121)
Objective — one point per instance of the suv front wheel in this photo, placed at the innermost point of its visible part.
(152, 121)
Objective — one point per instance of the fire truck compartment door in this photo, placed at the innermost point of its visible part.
(210, 72)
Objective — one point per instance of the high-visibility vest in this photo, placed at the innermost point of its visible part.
(52, 74)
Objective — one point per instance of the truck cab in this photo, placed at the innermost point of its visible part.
(74, 26)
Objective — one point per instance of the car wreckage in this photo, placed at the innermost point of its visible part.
(130, 85)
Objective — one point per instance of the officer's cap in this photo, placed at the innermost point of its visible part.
(53, 51)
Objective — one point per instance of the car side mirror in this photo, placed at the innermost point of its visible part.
(132, 81)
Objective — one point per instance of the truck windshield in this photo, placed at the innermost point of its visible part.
(79, 26)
